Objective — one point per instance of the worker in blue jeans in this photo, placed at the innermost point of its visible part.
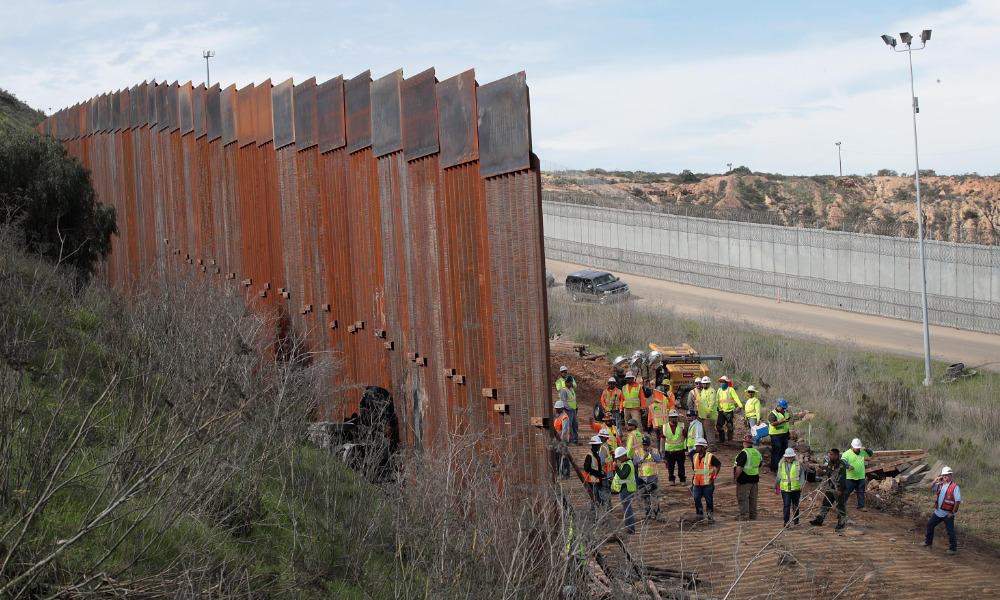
(855, 459)
(625, 485)
(948, 499)
(706, 469)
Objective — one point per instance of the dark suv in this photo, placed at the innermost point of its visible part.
(596, 286)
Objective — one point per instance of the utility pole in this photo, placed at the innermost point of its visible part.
(907, 39)
(840, 163)
(207, 54)
(729, 167)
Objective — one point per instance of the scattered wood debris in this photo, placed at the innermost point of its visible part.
(578, 348)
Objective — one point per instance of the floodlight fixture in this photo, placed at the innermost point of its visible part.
(925, 35)
(889, 41)
(905, 37)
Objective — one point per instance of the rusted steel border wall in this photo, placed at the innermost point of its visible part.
(395, 223)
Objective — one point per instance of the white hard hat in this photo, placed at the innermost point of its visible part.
(612, 380)
(946, 471)
(596, 440)
(856, 443)
(559, 404)
(673, 413)
(605, 432)
(620, 451)
(751, 388)
(563, 368)
(705, 379)
(789, 452)
(701, 442)
(629, 375)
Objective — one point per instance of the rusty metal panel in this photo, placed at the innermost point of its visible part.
(227, 109)
(386, 129)
(198, 107)
(173, 106)
(419, 115)
(357, 103)
(244, 116)
(504, 126)
(185, 110)
(133, 108)
(458, 114)
(306, 118)
(114, 112)
(262, 114)
(160, 109)
(124, 116)
(213, 113)
(283, 114)
(330, 114)
(151, 103)
(99, 117)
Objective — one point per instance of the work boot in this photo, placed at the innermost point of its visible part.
(818, 522)
(951, 552)
(839, 528)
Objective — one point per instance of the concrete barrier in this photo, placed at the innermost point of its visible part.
(863, 273)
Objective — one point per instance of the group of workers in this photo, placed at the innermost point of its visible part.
(638, 427)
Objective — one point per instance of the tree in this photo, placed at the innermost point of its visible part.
(47, 195)
(887, 173)
(686, 176)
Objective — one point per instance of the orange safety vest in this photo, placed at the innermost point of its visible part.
(608, 463)
(611, 399)
(560, 424)
(702, 469)
(587, 477)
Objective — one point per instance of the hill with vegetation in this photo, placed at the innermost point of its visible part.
(962, 208)
(16, 115)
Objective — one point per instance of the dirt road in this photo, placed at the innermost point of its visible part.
(879, 555)
(877, 333)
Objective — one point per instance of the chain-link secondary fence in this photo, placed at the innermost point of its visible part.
(865, 273)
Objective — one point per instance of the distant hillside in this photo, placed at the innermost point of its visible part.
(15, 114)
(962, 208)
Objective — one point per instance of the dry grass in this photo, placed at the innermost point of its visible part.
(855, 393)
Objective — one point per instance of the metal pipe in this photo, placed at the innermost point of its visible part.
(920, 230)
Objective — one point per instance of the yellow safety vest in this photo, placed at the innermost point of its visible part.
(570, 393)
(633, 442)
(728, 400)
(629, 480)
(754, 459)
(752, 408)
(708, 408)
(855, 464)
(647, 467)
(630, 395)
(692, 437)
(773, 429)
(788, 477)
(675, 438)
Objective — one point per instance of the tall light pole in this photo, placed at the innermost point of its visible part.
(907, 39)
(840, 163)
(207, 54)
(729, 167)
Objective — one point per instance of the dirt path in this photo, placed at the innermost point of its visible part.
(878, 556)
(878, 333)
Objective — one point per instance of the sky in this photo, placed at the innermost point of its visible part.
(660, 85)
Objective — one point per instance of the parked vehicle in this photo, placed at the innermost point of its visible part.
(596, 286)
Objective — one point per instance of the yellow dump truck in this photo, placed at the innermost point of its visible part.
(682, 364)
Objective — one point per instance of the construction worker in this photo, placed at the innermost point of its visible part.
(855, 459)
(729, 402)
(566, 387)
(746, 472)
(633, 398)
(789, 482)
(708, 406)
(633, 439)
(593, 472)
(624, 483)
(706, 468)
(695, 430)
(614, 438)
(562, 435)
(619, 377)
(648, 480)
(777, 430)
(751, 409)
(675, 443)
(948, 499)
(834, 472)
(693, 393)
(607, 459)
(656, 416)
(611, 400)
